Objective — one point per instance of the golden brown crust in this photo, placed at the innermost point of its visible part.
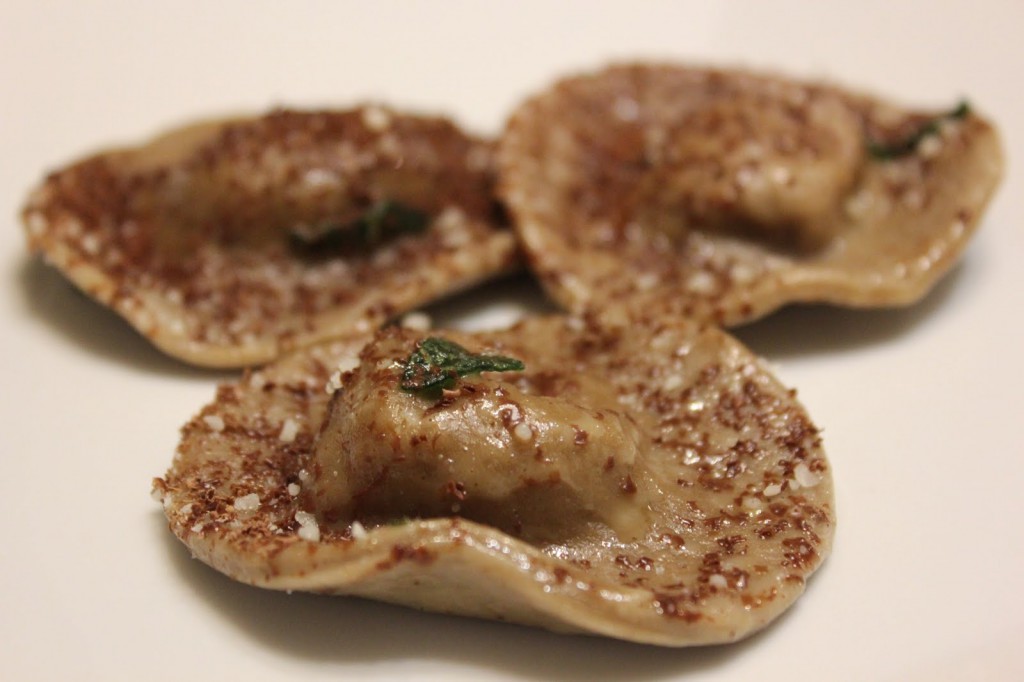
(187, 237)
(587, 170)
(745, 515)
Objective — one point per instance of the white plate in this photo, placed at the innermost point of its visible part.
(920, 407)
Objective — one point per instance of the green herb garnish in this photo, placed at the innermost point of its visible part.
(382, 221)
(437, 364)
(908, 145)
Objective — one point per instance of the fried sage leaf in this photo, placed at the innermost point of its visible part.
(437, 364)
(382, 222)
(885, 152)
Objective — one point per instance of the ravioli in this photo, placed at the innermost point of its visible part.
(725, 194)
(650, 482)
(227, 243)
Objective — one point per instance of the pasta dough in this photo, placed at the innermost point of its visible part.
(652, 482)
(227, 243)
(723, 195)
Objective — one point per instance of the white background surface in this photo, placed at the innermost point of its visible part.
(921, 408)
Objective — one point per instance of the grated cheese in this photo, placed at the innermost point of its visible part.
(247, 503)
(215, 422)
(358, 531)
(309, 529)
(289, 430)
